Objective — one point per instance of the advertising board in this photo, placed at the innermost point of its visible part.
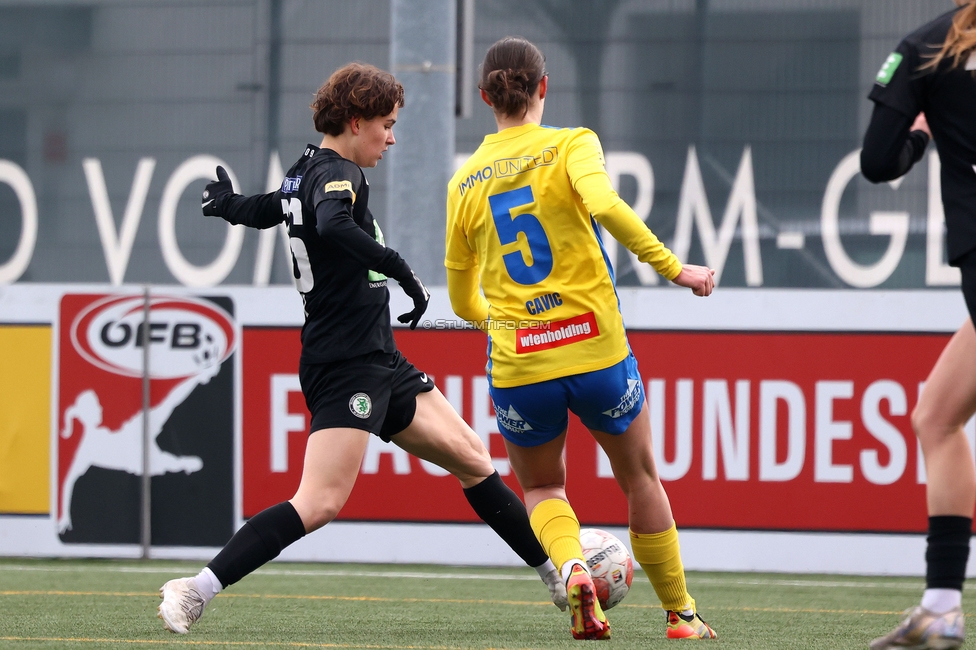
(780, 421)
(758, 431)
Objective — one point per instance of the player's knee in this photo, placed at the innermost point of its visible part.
(919, 421)
(316, 513)
(473, 450)
(475, 470)
(638, 478)
(930, 424)
(472, 464)
(319, 517)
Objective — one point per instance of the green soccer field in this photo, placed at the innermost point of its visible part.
(92, 604)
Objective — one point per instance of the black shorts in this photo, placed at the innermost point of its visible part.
(376, 392)
(968, 267)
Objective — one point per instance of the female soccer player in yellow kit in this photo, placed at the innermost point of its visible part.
(522, 223)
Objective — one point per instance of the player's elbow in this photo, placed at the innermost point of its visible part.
(877, 170)
(465, 311)
(327, 229)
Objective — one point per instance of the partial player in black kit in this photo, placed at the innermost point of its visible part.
(355, 381)
(926, 89)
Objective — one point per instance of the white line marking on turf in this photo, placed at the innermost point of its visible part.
(784, 582)
(419, 575)
(327, 573)
(229, 644)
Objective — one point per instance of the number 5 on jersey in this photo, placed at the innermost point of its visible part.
(302, 268)
(509, 227)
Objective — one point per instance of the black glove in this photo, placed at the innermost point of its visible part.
(414, 288)
(215, 191)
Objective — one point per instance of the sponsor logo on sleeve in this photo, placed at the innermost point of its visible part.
(376, 279)
(888, 68)
(340, 186)
(556, 334)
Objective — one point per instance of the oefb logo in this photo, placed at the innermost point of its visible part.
(191, 334)
(188, 420)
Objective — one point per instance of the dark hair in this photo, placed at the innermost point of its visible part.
(510, 73)
(354, 90)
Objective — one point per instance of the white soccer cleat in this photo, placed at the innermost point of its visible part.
(182, 605)
(924, 630)
(557, 590)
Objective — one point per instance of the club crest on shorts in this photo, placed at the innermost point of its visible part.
(360, 405)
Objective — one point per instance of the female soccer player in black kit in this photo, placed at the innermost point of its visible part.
(355, 381)
(927, 88)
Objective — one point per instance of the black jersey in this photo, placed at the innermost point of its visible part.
(347, 305)
(339, 258)
(947, 96)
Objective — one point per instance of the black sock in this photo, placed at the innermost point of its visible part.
(501, 509)
(259, 540)
(947, 552)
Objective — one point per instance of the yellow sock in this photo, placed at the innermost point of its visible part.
(660, 557)
(558, 530)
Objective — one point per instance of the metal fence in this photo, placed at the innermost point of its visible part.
(728, 124)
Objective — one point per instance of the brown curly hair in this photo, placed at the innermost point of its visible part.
(354, 90)
(510, 73)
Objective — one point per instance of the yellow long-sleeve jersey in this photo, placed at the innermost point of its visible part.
(522, 217)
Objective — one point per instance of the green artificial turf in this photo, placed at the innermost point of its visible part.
(101, 604)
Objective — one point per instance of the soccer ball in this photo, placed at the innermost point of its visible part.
(610, 565)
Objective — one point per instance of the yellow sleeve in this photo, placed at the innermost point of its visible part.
(463, 277)
(589, 177)
(458, 254)
(466, 300)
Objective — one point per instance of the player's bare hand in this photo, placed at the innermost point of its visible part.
(700, 279)
(921, 124)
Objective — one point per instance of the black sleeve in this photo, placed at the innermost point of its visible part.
(890, 149)
(899, 83)
(333, 221)
(258, 211)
